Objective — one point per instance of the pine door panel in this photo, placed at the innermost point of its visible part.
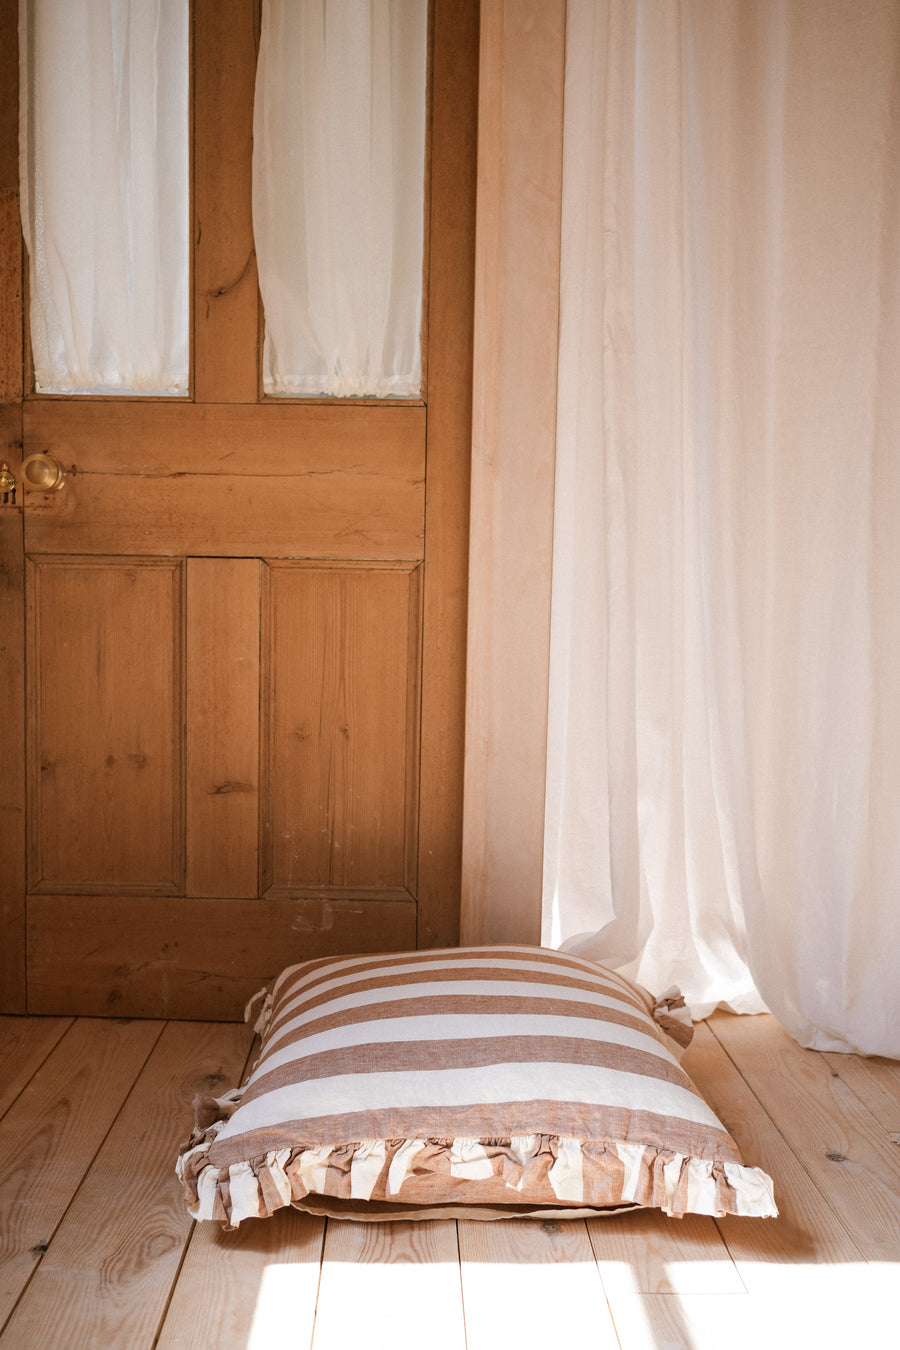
(105, 714)
(342, 726)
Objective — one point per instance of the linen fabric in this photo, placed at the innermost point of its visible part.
(104, 144)
(495, 1080)
(339, 193)
(723, 769)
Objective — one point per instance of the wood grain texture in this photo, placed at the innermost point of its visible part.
(649, 1253)
(12, 763)
(807, 1283)
(355, 515)
(226, 301)
(876, 1082)
(843, 1148)
(9, 96)
(158, 438)
(341, 703)
(121, 956)
(107, 1274)
(10, 298)
(450, 306)
(691, 1322)
(12, 672)
(49, 1138)
(105, 724)
(10, 224)
(532, 1285)
(254, 1288)
(25, 1042)
(222, 705)
(807, 1229)
(382, 1282)
(513, 452)
(225, 476)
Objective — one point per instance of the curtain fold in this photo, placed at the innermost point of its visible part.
(105, 193)
(338, 195)
(723, 783)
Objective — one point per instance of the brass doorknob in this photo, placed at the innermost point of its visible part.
(43, 473)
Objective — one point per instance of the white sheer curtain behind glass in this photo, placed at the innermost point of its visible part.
(105, 195)
(338, 195)
(724, 765)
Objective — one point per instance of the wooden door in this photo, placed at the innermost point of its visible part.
(233, 643)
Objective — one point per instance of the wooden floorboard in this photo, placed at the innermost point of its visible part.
(255, 1287)
(842, 1146)
(25, 1042)
(107, 1272)
(390, 1286)
(51, 1135)
(524, 1282)
(649, 1253)
(96, 1248)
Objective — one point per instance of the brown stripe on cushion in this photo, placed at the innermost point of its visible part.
(359, 979)
(471, 957)
(502, 1005)
(393, 1056)
(427, 985)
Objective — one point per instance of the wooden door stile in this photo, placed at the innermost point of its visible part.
(51, 1134)
(12, 576)
(226, 300)
(450, 319)
(13, 792)
(107, 1274)
(223, 602)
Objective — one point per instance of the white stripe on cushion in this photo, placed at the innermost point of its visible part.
(448, 989)
(457, 1027)
(465, 1086)
(311, 987)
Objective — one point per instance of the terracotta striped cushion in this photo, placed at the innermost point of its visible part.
(488, 1081)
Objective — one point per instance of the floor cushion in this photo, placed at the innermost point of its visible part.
(484, 1081)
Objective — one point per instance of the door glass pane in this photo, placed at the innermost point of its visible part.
(105, 193)
(338, 195)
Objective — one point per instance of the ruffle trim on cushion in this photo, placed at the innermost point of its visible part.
(673, 1016)
(525, 1171)
(261, 1000)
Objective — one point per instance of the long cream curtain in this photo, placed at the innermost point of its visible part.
(338, 195)
(723, 794)
(105, 193)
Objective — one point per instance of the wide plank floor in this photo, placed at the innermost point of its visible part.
(96, 1249)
